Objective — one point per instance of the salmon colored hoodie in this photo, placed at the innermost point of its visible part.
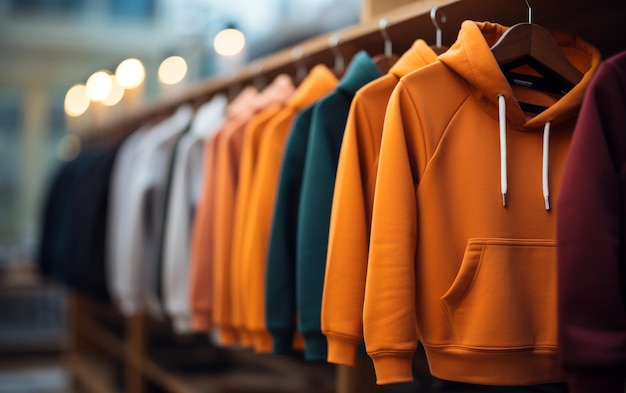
(227, 182)
(201, 259)
(346, 262)
(462, 252)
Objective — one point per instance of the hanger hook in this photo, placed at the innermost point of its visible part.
(433, 18)
(297, 54)
(382, 26)
(530, 12)
(258, 79)
(333, 44)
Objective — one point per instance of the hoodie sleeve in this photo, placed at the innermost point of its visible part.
(201, 260)
(592, 318)
(389, 323)
(346, 261)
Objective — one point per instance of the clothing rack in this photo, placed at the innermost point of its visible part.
(593, 22)
(405, 24)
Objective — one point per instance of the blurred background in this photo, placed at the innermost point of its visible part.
(47, 48)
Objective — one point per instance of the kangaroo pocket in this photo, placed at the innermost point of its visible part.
(504, 296)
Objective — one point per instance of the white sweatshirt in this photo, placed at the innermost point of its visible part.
(140, 216)
(184, 194)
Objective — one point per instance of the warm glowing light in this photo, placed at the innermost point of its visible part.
(116, 94)
(68, 147)
(99, 85)
(172, 70)
(130, 73)
(229, 42)
(76, 100)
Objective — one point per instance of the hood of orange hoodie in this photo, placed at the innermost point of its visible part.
(471, 58)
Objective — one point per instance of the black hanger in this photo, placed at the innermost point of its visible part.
(533, 45)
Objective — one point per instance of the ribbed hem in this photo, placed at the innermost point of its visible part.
(342, 350)
(596, 382)
(201, 322)
(495, 367)
(393, 367)
(227, 336)
(282, 343)
(315, 347)
(262, 342)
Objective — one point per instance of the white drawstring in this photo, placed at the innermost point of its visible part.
(544, 168)
(503, 168)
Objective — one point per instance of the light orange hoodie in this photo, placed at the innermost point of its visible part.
(229, 153)
(201, 258)
(346, 263)
(251, 272)
(450, 263)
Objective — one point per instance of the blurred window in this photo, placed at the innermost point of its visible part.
(47, 6)
(136, 9)
(9, 165)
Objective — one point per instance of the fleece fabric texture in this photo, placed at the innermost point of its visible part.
(591, 244)
(449, 264)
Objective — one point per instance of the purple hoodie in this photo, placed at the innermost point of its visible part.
(591, 238)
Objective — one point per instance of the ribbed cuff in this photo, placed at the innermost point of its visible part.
(201, 322)
(393, 368)
(596, 382)
(282, 343)
(342, 350)
(315, 347)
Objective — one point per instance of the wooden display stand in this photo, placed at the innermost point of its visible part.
(109, 353)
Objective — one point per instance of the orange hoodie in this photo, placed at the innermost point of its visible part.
(452, 263)
(227, 181)
(251, 271)
(254, 130)
(346, 264)
(201, 263)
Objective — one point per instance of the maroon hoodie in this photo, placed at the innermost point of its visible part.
(591, 238)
